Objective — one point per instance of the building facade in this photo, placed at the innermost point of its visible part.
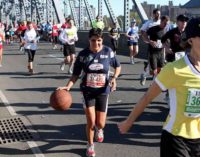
(170, 10)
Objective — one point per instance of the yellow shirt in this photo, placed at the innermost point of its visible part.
(98, 24)
(183, 82)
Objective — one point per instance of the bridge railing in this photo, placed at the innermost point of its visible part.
(123, 46)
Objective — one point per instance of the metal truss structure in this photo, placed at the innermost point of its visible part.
(74, 14)
(56, 10)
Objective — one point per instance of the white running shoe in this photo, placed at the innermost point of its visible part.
(62, 66)
(70, 71)
(99, 136)
(0, 65)
(132, 61)
(55, 47)
(90, 152)
(22, 48)
(143, 79)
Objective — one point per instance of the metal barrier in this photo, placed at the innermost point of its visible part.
(123, 47)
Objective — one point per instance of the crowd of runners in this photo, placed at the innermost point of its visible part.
(172, 52)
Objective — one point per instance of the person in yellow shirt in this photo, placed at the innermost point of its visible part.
(98, 23)
(181, 131)
(69, 37)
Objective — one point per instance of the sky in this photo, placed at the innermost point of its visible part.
(120, 10)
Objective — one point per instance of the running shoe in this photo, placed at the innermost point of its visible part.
(90, 152)
(21, 48)
(70, 71)
(62, 66)
(132, 61)
(99, 136)
(0, 65)
(31, 72)
(55, 47)
(142, 79)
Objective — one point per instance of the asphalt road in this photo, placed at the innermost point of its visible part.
(62, 134)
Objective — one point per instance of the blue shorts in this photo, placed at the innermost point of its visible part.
(132, 43)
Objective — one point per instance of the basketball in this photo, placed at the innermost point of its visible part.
(60, 100)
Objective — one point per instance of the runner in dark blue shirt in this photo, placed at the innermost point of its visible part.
(96, 70)
(94, 63)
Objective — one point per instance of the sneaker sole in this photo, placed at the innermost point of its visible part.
(142, 80)
(62, 68)
(90, 155)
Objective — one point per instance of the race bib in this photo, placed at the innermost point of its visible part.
(95, 80)
(192, 108)
(159, 44)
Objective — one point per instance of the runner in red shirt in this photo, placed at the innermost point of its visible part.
(1, 47)
(66, 24)
(20, 31)
(54, 35)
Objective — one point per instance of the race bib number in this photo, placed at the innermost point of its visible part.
(95, 80)
(192, 108)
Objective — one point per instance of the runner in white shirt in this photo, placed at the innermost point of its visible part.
(30, 45)
(68, 37)
(150, 23)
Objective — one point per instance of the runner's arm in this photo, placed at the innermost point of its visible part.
(153, 91)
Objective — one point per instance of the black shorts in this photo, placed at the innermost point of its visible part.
(100, 101)
(68, 50)
(55, 39)
(156, 60)
(114, 44)
(176, 146)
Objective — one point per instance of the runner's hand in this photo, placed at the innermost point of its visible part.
(153, 44)
(113, 84)
(63, 88)
(169, 51)
(124, 126)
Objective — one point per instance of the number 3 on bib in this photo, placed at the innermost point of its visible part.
(192, 108)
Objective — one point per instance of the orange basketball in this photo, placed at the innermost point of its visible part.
(60, 100)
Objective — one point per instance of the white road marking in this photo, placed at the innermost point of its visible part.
(6, 103)
(35, 149)
(32, 145)
(53, 56)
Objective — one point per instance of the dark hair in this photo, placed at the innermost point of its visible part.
(192, 29)
(68, 20)
(185, 45)
(165, 18)
(182, 18)
(96, 32)
(29, 22)
(155, 11)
